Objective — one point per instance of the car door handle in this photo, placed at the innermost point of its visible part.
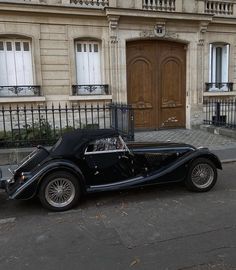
(123, 157)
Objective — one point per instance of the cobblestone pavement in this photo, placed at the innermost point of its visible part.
(194, 137)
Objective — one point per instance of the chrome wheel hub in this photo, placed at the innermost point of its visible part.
(60, 192)
(202, 175)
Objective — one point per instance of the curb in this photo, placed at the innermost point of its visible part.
(227, 132)
(225, 161)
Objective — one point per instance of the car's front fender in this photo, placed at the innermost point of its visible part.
(30, 187)
(205, 153)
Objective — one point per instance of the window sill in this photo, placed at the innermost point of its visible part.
(21, 99)
(219, 94)
(90, 97)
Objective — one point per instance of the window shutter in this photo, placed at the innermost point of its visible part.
(225, 63)
(88, 64)
(3, 64)
(27, 64)
(15, 62)
(210, 62)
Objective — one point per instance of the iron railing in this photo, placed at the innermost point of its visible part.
(30, 126)
(20, 90)
(220, 113)
(122, 119)
(90, 89)
(219, 87)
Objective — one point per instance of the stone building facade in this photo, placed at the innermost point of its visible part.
(162, 56)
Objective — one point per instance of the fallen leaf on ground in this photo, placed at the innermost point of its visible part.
(134, 262)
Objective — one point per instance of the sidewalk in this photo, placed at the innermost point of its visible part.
(224, 147)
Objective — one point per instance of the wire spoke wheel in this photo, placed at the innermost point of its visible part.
(60, 192)
(202, 175)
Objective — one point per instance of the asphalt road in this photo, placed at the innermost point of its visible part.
(164, 227)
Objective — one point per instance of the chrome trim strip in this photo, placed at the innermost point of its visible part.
(10, 171)
(118, 183)
(105, 152)
(163, 149)
(138, 150)
(26, 184)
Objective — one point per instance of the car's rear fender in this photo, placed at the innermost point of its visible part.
(30, 188)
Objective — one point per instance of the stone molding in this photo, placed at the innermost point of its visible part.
(113, 28)
(152, 34)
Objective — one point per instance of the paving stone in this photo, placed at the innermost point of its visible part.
(194, 137)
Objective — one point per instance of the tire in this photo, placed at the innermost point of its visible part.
(59, 191)
(202, 175)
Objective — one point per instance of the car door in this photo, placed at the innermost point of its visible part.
(108, 160)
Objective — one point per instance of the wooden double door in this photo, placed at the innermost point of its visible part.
(156, 82)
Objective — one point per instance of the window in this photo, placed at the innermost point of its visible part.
(218, 66)
(9, 46)
(114, 144)
(15, 62)
(18, 46)
(88, 62)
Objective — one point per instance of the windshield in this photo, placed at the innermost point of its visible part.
(56, 145)
(24, 160)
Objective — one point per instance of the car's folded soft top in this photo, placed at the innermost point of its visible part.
(72, 143)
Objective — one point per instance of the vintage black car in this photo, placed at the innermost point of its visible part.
(86, 161)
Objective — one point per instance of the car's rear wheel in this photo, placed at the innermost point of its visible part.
(59, 191)
(202, 175)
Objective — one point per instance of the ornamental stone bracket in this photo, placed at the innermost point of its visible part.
(113, 28)
(201, 42)
(202, 30)
(203, 27)
(152, 34)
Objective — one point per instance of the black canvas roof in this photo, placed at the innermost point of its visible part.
(72, 143)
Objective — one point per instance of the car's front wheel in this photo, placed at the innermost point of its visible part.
(202, 175)
(59, 191)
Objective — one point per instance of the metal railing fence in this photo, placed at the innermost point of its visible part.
(30, 126)
(20, 90)
(219, 87)
(220, 112)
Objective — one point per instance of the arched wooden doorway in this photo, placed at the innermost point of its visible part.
(156, 82)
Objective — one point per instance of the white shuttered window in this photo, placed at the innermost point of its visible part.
(15, 62)
(88, 62)
(219, 66)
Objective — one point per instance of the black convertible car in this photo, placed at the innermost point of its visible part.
(86, 161)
